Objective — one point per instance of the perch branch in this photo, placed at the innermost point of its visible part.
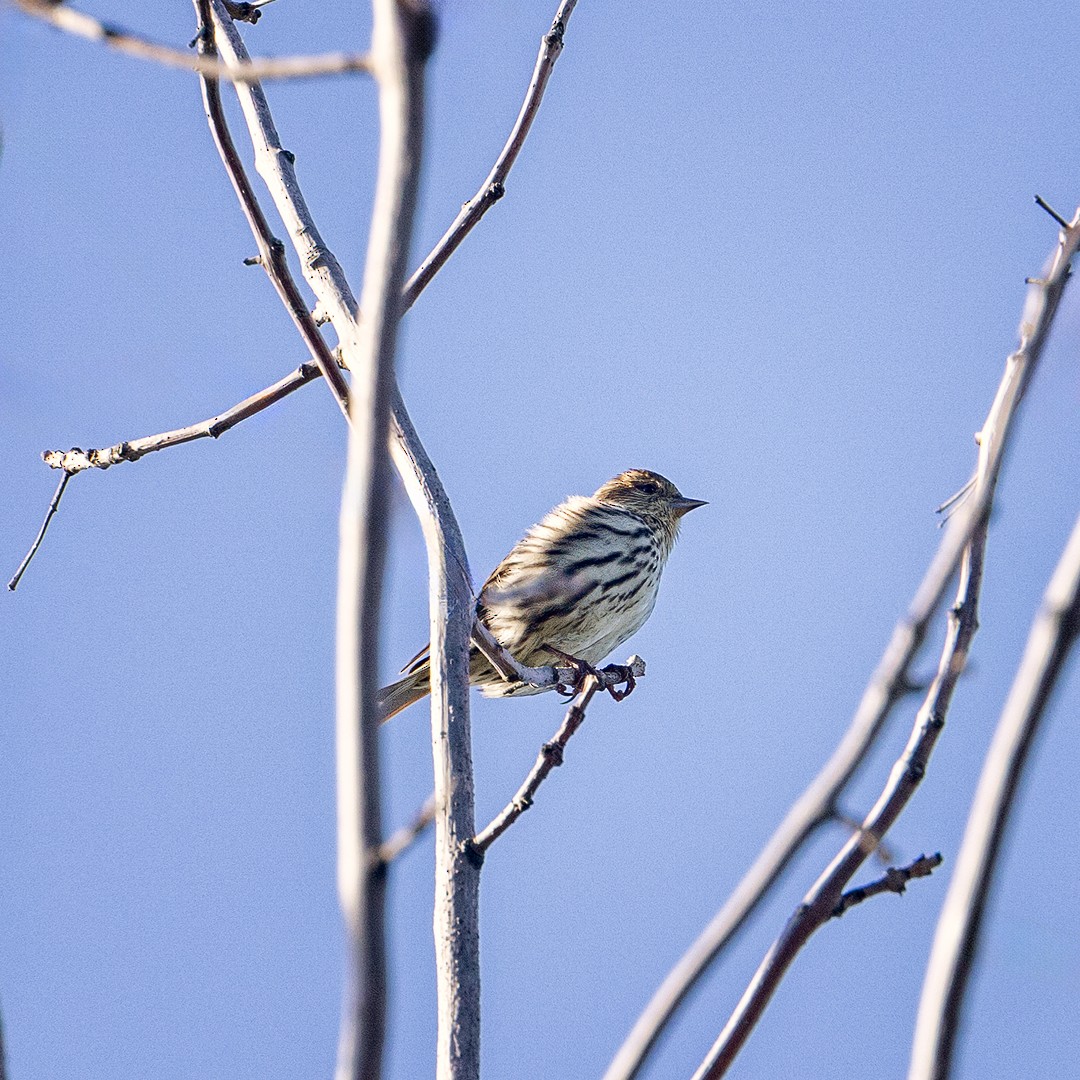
(551, 753)
(888, 684)
(543, 678)
(956, 940)
(894, 880)
(402, 39)
(1041, 304)
(66, 18)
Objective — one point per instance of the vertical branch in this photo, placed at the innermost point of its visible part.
(957, 937)
(457, 866)
(402, 37)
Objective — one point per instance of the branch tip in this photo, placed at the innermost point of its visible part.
(54, 505)
(1044, 205)
(894, 880)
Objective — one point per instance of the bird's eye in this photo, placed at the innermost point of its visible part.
(649, 487)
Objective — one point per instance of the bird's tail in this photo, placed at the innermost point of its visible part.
(403, 693)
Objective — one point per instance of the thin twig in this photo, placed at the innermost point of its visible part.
(551, 753)
(956, 940)
(54, 505)
(271, 250)
(894, 880)
(889, 683)
(401, 41)
(76, 460)
(277, 168)
(401, 840)
(1040, 306)
(494, 186)
(66, 18)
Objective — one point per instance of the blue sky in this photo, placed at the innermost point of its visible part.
(775, 254)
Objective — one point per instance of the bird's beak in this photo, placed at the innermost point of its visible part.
(684, 506)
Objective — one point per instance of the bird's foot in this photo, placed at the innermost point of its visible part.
(581, 668)
(625, 678)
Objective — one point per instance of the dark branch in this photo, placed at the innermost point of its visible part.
(54, 505)
(894, 880)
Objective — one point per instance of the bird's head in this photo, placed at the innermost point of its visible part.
(648, 495)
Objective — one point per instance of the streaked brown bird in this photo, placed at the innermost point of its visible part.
(577, 585)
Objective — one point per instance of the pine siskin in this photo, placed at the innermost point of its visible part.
(577, 585)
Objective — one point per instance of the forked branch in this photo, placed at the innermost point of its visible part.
(1044, 295)
(962, 540)
(956, 940)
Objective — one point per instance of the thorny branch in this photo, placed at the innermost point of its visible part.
(66, 18)
(1043, 297)
(551, 753)
(956, 940)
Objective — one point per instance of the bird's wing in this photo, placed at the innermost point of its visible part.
(563, 558)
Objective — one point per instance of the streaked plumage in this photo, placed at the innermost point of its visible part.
(582, 581)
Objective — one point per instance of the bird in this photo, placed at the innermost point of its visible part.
(575, 587)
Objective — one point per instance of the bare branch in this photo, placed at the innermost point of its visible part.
(956, 941)
(76, 460)
(321, 268)
(457, 873)
(894, 880)
(66, 18)
(402, 39)
(817, 906)
(551, 753)
(277, 168)
(400, 841)
(494, 187)
(54, 505)
(271, 250)
(962, 541)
